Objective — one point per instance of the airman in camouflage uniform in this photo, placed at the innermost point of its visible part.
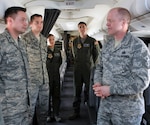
(36, 45)
(1, 116)
(14, 75)
(122, 74)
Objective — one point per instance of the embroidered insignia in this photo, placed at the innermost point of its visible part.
(50, 56)
(79, 46)
(86, 45)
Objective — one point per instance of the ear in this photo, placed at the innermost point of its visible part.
(123, 21)
(9, 20)
(30, 24)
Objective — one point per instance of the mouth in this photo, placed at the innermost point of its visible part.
(108, 28)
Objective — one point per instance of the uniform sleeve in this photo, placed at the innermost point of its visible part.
(99, 51)
(44, 50)
(1, 51)
(95, 51)
(1, 116)
(60, 59)
(98, 70)
(139, 78)
(0, 54)
(73, 49)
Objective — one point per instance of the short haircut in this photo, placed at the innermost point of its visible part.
(35, 15)
(82, 23)
(124, 13)
(50, 35)
(11, 11)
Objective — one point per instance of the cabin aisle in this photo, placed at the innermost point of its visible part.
(66, 103)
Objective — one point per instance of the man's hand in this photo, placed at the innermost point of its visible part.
(96, 88)
(101, 91)
(105, 91)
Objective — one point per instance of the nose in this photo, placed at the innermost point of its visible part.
(26, 23)
(107, 24)
(40, 24)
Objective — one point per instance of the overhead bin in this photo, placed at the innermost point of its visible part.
(140, 7)
(136, 7)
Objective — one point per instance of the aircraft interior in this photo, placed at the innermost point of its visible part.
(61, 18)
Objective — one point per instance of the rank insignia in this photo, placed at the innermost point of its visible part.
(50, 56)
(79, 46)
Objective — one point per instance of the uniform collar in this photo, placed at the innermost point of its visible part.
(11, 39)
(33, 36)
(124, 42)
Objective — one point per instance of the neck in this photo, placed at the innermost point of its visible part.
(37, 34)
(14, 34)
(51, 46)
(120, 36)
(83, 35)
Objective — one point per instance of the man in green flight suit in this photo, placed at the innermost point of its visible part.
(85, 54)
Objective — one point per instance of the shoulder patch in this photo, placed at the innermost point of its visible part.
(96, 43)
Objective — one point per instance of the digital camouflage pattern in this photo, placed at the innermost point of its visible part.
(39, 88)
(14, 80)
(1, 116)
(126, 69)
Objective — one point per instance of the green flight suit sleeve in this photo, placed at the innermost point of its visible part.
(95, 52)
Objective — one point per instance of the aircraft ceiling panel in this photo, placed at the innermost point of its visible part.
(93, 12)
(71, 25)
(141, 23)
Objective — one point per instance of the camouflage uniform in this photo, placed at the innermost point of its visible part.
(39, 88)
(126, 69)
(13, 81)
(1, 116)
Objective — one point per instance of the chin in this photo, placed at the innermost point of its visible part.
(21, 32)
(109, 33)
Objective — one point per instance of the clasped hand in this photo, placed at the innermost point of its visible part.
(102, 91)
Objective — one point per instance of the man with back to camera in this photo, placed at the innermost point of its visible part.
(85, 54)
(36, 45)
(14, 78)
(122, 74)
(54, 61)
